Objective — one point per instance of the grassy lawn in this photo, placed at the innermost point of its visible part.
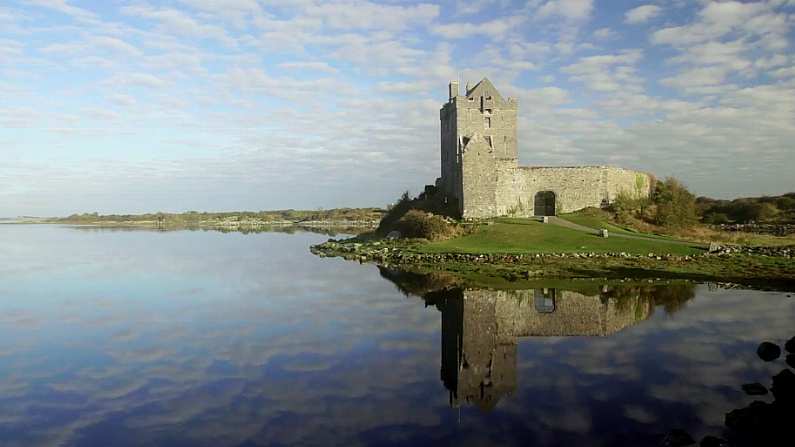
(529, 236)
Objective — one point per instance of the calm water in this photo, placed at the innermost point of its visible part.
(138, 338)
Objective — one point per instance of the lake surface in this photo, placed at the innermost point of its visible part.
(193, 338)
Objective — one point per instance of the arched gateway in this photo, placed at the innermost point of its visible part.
(544, 203)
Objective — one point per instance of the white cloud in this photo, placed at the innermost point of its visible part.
(308, 66)
(235, 11)
(9, 48)
(357, 14)
(179, 23)
(604, 34)
(114, 44)
(255, 80)
(64, 7)
(403, 88)
(641, 14)
(726, 41)
(7, 15)
(122, 100)
(718, 19)
(137, 80)
(787, 72)
(728, 55)
(495, 29)
(697, 78)
(607, 72)
(469, 7)
(575, 10)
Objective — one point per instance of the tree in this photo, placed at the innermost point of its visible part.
(676, 206)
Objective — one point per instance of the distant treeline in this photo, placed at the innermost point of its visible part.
(765, 209)
(195, 218)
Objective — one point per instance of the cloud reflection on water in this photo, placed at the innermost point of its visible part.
(231, 340)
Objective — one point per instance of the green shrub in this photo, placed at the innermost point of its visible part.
(717, 219)
(394, 213)
(419, 224)
(434, 204)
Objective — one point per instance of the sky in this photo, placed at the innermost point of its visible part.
(216, 105)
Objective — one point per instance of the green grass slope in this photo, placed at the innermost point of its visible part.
(530, 236)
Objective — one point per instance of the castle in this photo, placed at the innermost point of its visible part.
(480, 164)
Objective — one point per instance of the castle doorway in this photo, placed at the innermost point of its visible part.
(544, 203)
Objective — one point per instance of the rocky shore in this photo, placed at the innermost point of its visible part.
(760, 267)
(398, 253)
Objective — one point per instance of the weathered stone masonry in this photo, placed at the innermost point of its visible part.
(481, 172)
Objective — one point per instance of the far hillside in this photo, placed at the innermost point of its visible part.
(765, 209)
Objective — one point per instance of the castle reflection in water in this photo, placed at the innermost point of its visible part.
(481, 327)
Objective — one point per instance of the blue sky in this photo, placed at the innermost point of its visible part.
(134, 106)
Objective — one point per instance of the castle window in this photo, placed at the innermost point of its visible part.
(491, 141)
(487, 122)
(471, 99)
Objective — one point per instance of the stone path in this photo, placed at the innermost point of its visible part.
(569, 224)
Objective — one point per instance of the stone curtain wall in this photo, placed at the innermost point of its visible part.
(494, 187)
(575, 188)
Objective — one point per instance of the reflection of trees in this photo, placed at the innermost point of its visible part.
(672, 297)
(419, 284)
(480, 327)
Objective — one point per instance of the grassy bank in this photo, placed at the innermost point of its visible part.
(531, 236)
(525, 249)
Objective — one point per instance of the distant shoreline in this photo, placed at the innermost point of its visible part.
(336, 217)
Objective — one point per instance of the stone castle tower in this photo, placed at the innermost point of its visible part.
(480, 164)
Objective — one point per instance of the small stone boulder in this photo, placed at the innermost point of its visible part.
(392, 235)
(749, 419)
(783, 388)
(768, 351)
(754, 389)
(790, 345)
(714, 247)
(603, 233)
